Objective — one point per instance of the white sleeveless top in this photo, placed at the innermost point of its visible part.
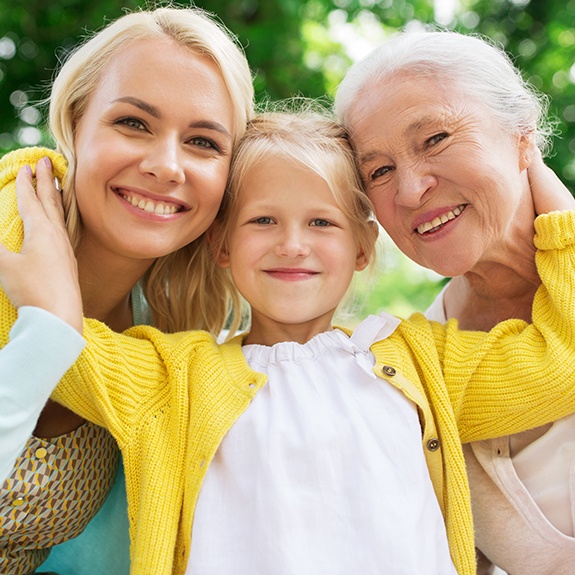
(523, 495)
(323, 474)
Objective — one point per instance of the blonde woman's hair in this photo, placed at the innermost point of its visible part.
(195, 298)
(302, 132)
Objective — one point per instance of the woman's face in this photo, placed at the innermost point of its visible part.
(153, 151)
(447, 181)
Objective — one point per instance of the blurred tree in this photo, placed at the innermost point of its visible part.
(541, 38)
(33, 34)
(395, 285)
(270, 31)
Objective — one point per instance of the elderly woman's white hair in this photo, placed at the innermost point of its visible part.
(474, 64)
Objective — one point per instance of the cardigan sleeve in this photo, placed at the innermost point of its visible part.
(40, 350)
(119, 378)
(518, 375)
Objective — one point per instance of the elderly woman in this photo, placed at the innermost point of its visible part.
(445, 130)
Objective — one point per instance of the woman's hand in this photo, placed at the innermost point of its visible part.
(548, 191)
(45, 272)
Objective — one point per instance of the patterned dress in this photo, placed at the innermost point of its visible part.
(56, 487)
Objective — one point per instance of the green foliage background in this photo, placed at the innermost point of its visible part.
(292, 49)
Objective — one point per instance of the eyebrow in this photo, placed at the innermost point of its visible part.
(366, 158)
(417, 125)
(153, 111)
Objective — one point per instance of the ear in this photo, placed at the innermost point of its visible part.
(365, 251)
(526, 149)
(361, 260)
(218, 245)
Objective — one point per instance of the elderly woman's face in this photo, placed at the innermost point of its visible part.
(445, 178)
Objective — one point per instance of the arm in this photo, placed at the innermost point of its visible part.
(41, 346)
(518, 375)
(41, 349)
(549, 342)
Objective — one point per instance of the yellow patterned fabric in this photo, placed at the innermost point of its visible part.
(55, 489)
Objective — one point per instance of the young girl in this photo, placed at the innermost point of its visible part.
(299, 447)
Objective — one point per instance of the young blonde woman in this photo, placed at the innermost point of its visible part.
(299, 447)
(145, 115)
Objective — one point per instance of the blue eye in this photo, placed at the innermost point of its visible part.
(320, 223)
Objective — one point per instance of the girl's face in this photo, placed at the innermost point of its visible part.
(153, 152)
(447, 181)
(292, 252)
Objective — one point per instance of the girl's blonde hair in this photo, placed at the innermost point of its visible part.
(310, 137)
(195, 297)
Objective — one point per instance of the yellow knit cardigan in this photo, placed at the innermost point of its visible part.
(169, 399)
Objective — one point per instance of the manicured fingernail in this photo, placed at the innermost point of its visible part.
(29, 170)
(47, 161)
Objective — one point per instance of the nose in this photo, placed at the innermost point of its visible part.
(163, 161)
(413, 185)
(292, 243)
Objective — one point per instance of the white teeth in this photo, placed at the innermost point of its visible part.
(440, 220)
(152, 207)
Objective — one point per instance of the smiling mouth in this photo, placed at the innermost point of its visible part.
(150, 206)
(291, 274)
(438, 222)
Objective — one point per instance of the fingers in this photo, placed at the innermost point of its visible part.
(27, 201)
(548, 191)
(47, 192)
